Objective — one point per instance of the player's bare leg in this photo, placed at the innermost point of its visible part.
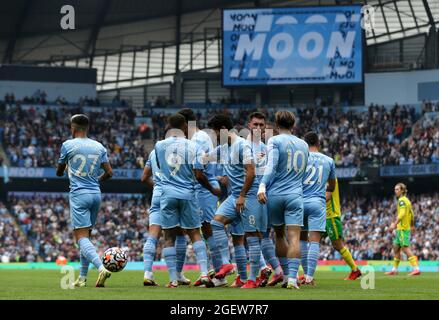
(293, 255)
(413, 261)
(149, 250)
(340, 246)
(281, 253)
(396, 260)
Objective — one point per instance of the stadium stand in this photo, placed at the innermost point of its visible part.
(122, 221)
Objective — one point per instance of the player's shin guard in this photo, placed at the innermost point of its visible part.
(84, 266)
(180, 247)
(269, 252)
(222, 241)
(293, 267)
(304, 255)
(313, 256)
(214, 253)
(241, 261)
(254, 248)
(149, 249)
(90, 253)
(201, 253)
(170, 255)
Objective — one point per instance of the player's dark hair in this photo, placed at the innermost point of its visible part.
(285, 119)
(312, 139)
(220, 121)
(176, 121)
(80, 121)
(257, 115)
(188, 114)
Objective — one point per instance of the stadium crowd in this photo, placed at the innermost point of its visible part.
(122, 221)
(33, 137)
(376, 136)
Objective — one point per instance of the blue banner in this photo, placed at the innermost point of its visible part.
(346, 173)
(410, 170)
(50, 173)
(306, 45)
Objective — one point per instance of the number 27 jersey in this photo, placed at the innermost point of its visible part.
(83, 157)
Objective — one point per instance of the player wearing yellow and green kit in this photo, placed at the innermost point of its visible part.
(404, 223)
(334, 230)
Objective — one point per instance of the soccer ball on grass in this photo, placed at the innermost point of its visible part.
(114, 259)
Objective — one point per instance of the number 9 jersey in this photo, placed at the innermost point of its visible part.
(84, 157)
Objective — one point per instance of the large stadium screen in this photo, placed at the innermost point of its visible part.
(278, 46)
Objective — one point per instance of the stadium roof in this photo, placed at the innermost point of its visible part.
(30, 29)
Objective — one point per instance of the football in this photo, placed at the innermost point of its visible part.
(114, 259)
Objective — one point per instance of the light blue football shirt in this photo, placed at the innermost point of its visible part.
(205, 146)
(319, 170)
(260, 156)
(177, 157)
(239, 153)
(152, 163)
(83, 157)
(287, 157)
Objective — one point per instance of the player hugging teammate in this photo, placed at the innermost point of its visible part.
(278, 182)
(271, 182)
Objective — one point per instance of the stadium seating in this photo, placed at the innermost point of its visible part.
(123, 222)
(377, 135)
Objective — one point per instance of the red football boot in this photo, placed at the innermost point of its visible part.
(391, 273)
(250, 284)
(277, 278)
(237, 283)
(226, 269)
(415, 273)
(354, 275)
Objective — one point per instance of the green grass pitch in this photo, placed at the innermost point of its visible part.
(44, 284)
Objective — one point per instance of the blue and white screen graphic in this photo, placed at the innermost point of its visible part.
(304, 45)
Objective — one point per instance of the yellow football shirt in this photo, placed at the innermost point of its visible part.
(333, 209)
(405, 213)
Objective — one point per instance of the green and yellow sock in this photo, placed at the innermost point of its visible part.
(396, 263)
(347, 257)
(414, 262)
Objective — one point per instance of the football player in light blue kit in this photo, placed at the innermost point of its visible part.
(287, 159)
(84, 159)
(257, 126)
(241, 206)
(179, 161)
(207, 202)
(319, 179)
(155, 226)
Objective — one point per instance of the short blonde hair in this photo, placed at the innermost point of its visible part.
(403, 187)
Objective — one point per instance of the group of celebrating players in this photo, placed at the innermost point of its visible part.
(208, 183)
